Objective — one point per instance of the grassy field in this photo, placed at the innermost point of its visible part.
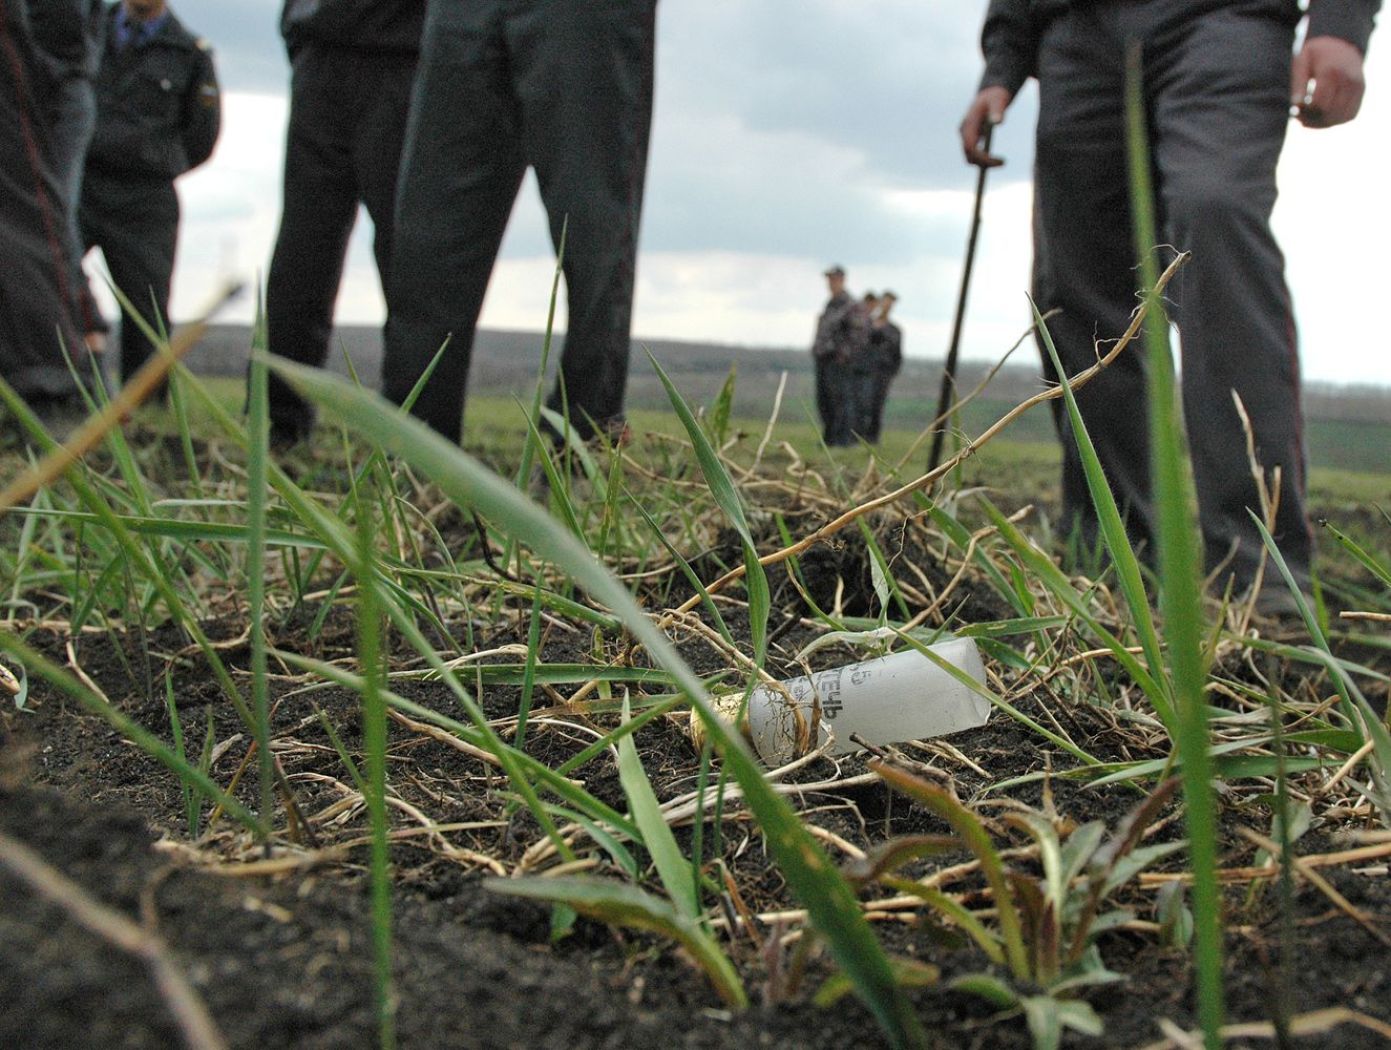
(420, 750)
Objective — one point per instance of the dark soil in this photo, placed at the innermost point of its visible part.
(285, 960)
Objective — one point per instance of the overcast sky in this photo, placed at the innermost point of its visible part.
(790, 134)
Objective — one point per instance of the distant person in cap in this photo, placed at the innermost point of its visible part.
(158, 116)
(842, 334)
(353, 63)
(1220, 81)
(886, 358)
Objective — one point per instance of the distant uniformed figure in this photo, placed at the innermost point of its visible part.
(38, 313)
(158, 116)
(886, 357)
(862, 371)
(353, 64)
(557, 85)
(842, 336)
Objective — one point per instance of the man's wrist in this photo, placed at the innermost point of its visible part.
(1350, 20)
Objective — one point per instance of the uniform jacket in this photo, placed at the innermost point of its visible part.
(158, 105)
(1010, 37)
(886, 348)
(842, 333)
(370, 25)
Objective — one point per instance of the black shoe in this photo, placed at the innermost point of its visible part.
(286, 435)
(60, 416)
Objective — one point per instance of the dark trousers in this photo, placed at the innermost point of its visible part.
(36, 305)
(134, 220)
(846, 390)
(71, 118)
(878, 398)
(561, 86)
(826, 372)
(1216, 89)
(343, 147)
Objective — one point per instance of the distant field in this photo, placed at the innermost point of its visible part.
(1019, 467)
(1348, 429)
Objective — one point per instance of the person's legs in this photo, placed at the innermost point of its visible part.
(1219, 85)
(380, 135)
(1084, 260)
(461, 167)
(318, 208)
(136, 225)
(72, 117)
(825, 400)
(36, 310)
(840, 429)
(882, 379)
(584, 74)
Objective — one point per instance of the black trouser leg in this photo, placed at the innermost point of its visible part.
(135, 223)
(1084, 261)
(36, 314)
(825, 401)
(461, 167)
(343, 145)
(843, 401)
(583, 77)
(879, 396)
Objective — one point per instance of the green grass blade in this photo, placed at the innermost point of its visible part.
(619, 904)
(1376, 568)
(911, 973)
(180, 530)
(369, 654)
(1358, 710)
(553, 780)
(533, 441)
(957, 912)
(142, 562)
(1180, 599)
(1108, 515)
(34, 662)
(727, 498)
(707, 602)
(1043, 569)
(809, 872)
(256, 489)
(646, 811)
(974, 835)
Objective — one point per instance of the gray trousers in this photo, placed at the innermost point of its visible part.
(1216, 87)
(558, 85)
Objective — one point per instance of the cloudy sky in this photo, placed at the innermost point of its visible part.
(790, 134)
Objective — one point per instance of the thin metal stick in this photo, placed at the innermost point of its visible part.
(947, 394)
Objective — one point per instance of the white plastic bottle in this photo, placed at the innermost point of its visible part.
(888, 700)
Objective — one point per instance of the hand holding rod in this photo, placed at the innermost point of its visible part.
(947, 396)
